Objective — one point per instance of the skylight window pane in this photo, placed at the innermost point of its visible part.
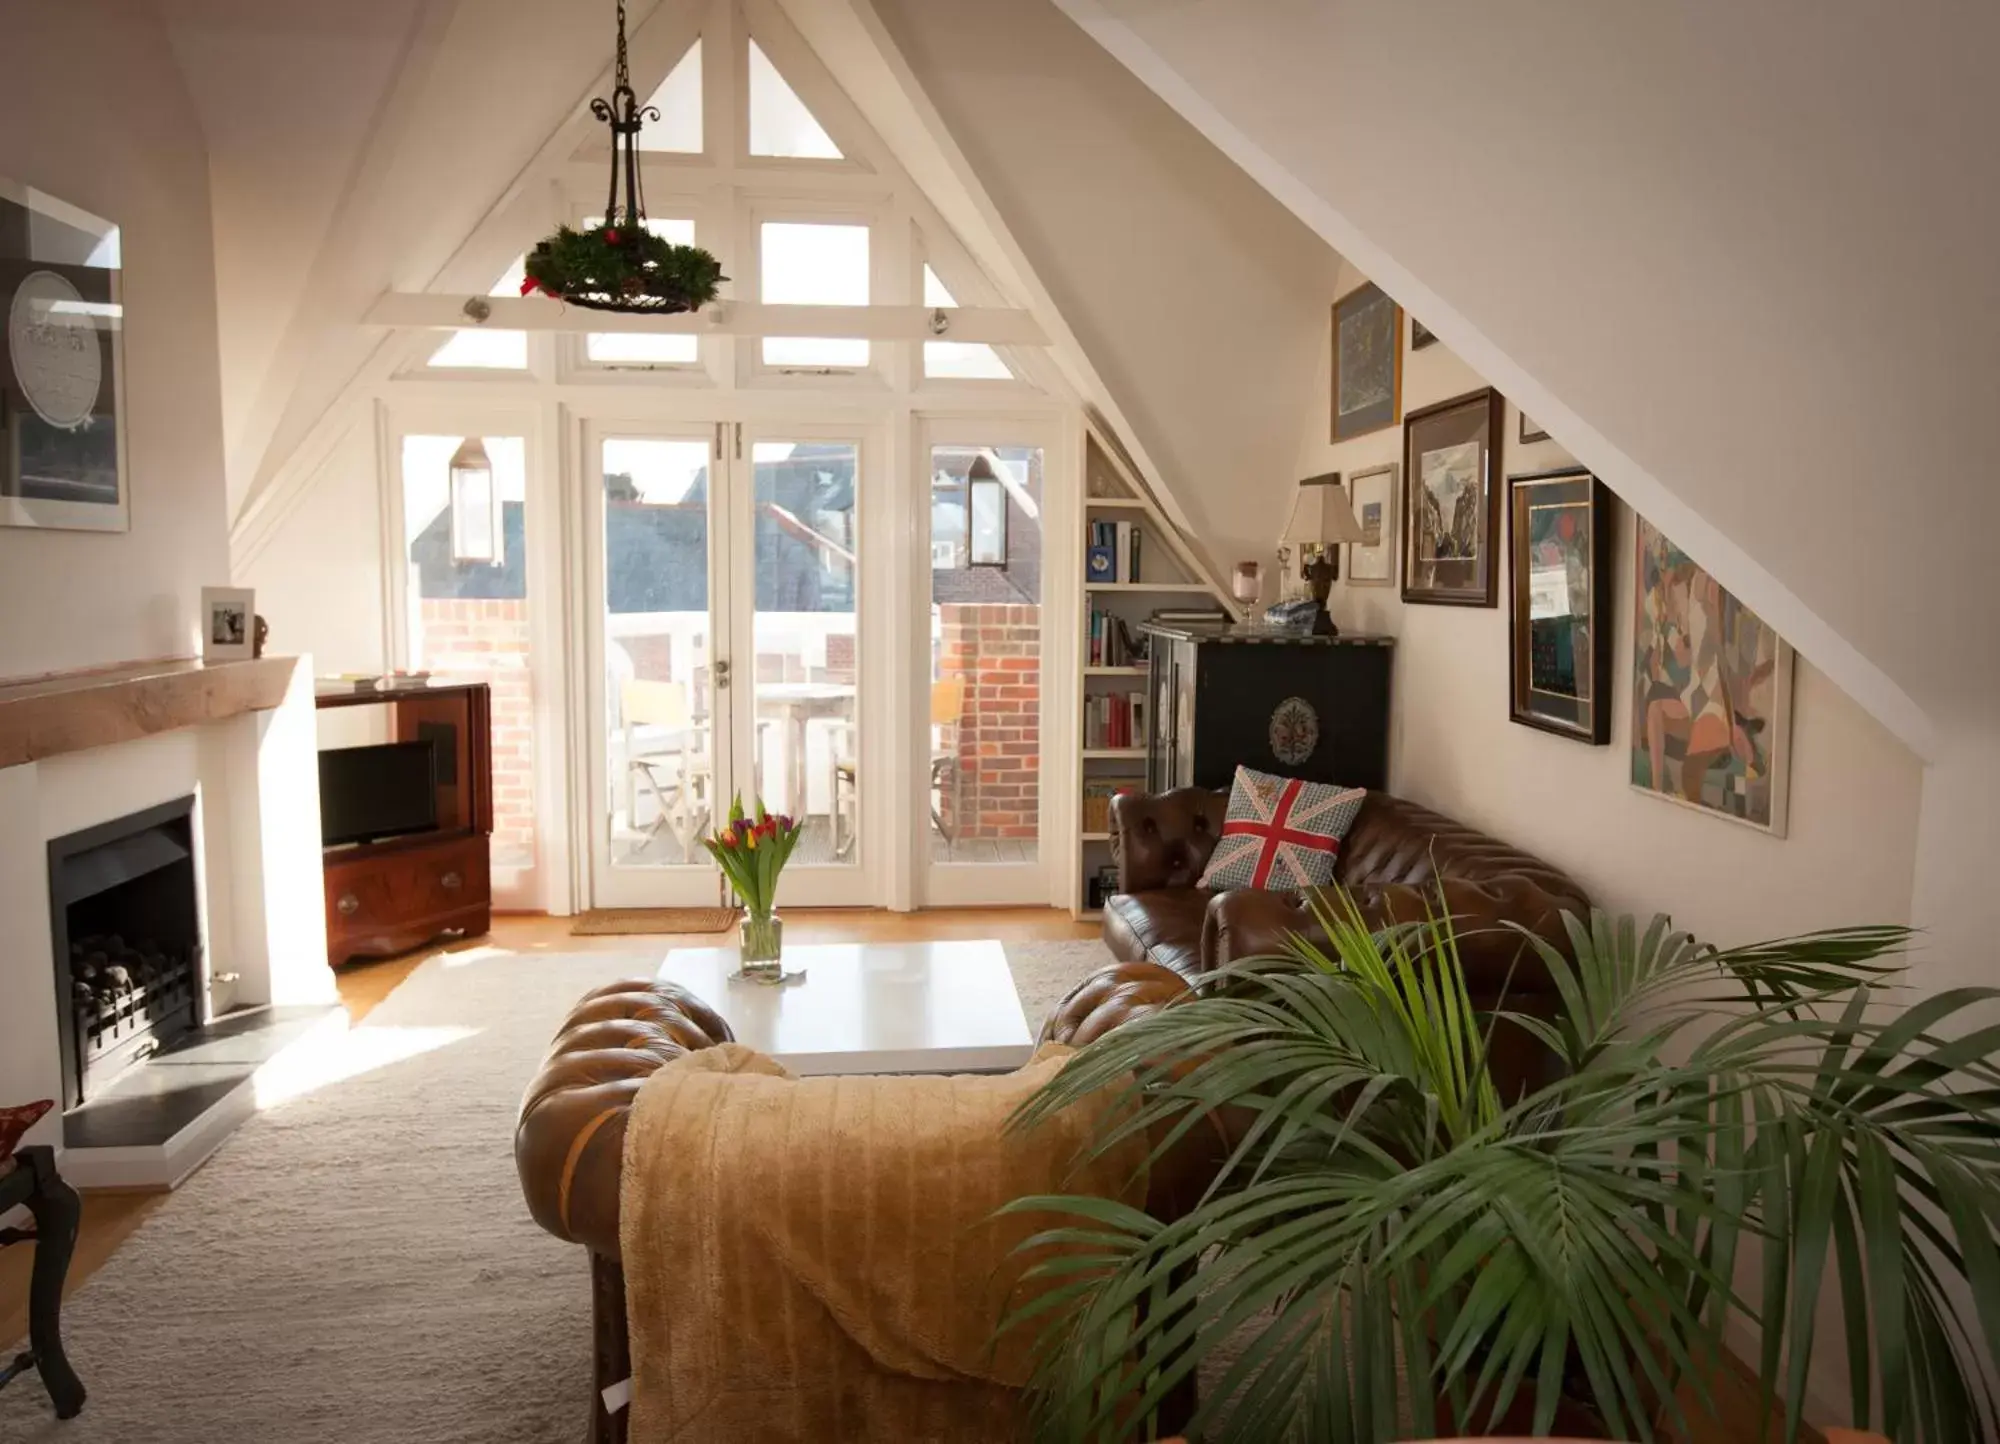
(630, 348)
(964, 361)
(814, 264)
(780, 124)
(934, 292)
(484, 350)
(679, 102)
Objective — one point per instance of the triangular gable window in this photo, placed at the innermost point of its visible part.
(780, 124)
(958, 360)
(679, 102)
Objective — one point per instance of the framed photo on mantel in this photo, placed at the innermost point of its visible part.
(1559, 537)
(1451, 517)
(62, 366)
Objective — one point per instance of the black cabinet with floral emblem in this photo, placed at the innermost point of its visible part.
(1283, 702)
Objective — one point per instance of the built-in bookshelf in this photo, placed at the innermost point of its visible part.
(1136, 563)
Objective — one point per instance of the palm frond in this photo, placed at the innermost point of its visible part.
(1380, 1211)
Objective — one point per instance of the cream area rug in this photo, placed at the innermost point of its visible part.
(356, 1264)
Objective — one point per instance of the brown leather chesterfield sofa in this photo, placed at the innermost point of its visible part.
(569, 1144)
(1400, 862)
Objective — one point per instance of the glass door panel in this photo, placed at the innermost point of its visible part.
(662, 778)
(981, 802)
(465, 533)
(803, 684)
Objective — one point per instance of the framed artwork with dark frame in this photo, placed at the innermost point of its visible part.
(1421, 335)
(1451, 515)
(1561, 527)
(62, 366)
(1531, 432)
(1367, 362)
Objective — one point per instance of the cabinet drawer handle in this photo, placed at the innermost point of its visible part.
(348, 905)
(452, 882)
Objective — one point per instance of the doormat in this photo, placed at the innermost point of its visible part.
(608, 922)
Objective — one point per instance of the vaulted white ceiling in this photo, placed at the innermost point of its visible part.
(1736, 257)
(354, 149)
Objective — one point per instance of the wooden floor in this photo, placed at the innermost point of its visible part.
(109, 1218)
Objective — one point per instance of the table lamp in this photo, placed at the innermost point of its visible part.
(1321, 520)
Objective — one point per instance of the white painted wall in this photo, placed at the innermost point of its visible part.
(319, 578)
(1856, 791)
(285, 136)
(93, 112)
(1197, 297)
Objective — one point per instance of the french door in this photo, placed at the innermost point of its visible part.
(731, 631)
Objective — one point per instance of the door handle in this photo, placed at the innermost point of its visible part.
(721, 674)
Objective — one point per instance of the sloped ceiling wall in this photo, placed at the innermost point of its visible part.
(1200, 300)
(1737, 257)
(353, 148)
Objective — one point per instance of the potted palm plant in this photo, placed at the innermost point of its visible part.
(1396, 1249)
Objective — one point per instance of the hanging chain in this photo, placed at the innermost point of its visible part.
(624, 81)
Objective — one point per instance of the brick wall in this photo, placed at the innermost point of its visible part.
(997, 649)
(486, 639)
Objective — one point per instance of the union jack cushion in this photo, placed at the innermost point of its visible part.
(1281, 832)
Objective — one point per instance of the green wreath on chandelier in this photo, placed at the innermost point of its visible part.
(622, 268)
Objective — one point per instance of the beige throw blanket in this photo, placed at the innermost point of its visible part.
(816, 1259)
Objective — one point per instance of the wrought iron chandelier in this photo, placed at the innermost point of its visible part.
(619, 264)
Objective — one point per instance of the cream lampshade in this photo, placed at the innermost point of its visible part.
(1321, 519)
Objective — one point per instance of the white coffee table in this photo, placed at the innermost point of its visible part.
(946, 1007)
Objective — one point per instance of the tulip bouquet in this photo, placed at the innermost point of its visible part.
(752, 850)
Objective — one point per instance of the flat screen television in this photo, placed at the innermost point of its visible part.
(368, 793)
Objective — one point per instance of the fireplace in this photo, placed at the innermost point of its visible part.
(126, 926)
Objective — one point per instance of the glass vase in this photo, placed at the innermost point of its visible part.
(761, 943)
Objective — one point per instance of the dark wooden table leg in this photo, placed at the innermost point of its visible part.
(57, 1210)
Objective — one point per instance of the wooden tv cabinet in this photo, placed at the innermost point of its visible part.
(387, 897)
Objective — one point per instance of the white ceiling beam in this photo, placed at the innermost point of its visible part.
(993, 326)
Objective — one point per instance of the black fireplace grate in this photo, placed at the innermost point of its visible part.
(125, 919)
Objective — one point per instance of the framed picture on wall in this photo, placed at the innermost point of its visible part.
(1711, 692)
(1530, 432)
(1421, 335)
(1367, 362)
(1451, 517)
(62, 366)
(1371, 562)
(1559, 536)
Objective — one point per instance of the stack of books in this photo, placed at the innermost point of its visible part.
(1113, 552)
(1110, 643)
(1201, 616)
(1114, 719)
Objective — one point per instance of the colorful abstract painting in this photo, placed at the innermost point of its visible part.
(1711, 692)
